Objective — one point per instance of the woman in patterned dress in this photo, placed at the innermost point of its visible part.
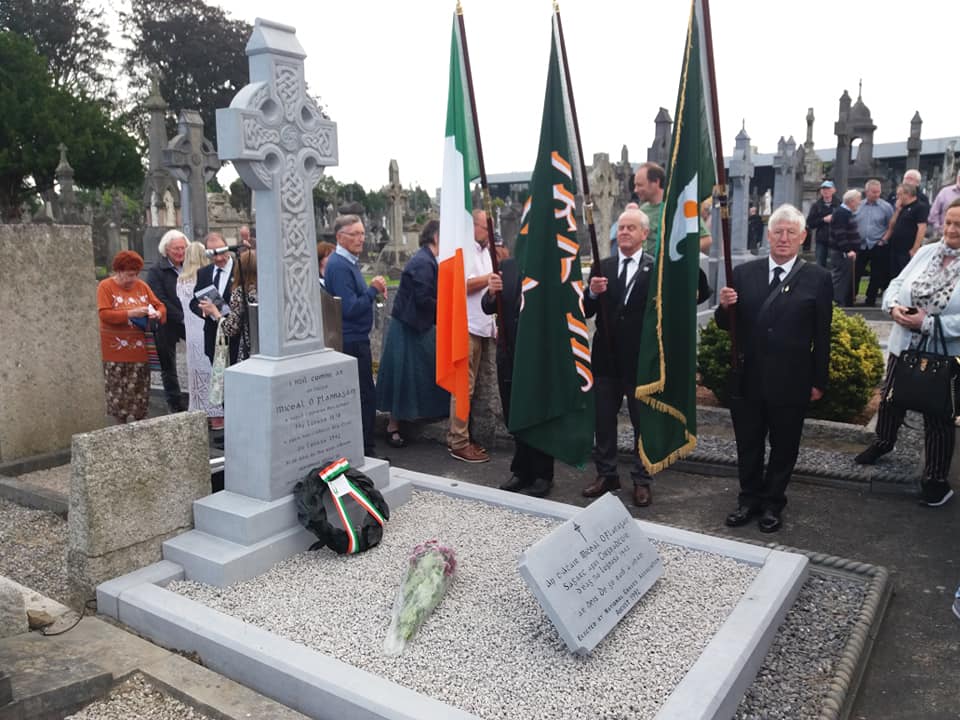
(198, 364)
(126, 306)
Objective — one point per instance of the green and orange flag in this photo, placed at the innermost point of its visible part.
(551, 403)
(667, 365)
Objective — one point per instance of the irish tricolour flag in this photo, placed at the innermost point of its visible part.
(460, 167)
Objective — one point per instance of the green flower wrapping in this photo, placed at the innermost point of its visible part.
(431, 569)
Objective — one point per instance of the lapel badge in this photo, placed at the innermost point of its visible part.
(786, 289)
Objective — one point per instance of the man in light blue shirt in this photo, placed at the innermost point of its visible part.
(873, 219)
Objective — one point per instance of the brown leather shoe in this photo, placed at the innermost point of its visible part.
(470, 454)
(642, 495)
(600, 486)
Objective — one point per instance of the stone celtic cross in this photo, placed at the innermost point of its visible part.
(280, 143)
(192, 160)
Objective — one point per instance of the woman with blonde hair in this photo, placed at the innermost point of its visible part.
(198, 364)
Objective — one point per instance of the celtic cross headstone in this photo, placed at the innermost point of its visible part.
(295, 404)
(192, 160)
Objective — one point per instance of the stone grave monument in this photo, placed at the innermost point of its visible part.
(295, 404)
(51, 369)
(161, 194)
(192, 160)
(590, 571)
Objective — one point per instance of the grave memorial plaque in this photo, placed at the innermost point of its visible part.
(589, 572)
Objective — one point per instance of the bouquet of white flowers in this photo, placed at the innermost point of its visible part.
(430, 571)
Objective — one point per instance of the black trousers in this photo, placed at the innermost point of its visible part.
(608, 397)
(878, 258)
(167, 336)
(764, 488)
(899, 258)
(939, 434)
(368, 392)
(528, 462)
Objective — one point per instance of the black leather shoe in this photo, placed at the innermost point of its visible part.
(600, 486)
(741, 516)
(870, 455)
(769, 522)
(514, 484)
(642, 495)
(539, 488)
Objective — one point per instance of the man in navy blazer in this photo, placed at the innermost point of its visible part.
(617, 295)
(783, 309)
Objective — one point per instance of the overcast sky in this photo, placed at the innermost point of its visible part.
(381, 67)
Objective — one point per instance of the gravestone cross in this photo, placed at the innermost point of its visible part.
(396, 200)
(192, 160)
(280, 143)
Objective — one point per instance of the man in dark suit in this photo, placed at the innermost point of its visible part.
(219, 274)
(617, 295)
(783, 312)
(532, 469)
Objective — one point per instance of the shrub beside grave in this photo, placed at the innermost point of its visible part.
(856, 366)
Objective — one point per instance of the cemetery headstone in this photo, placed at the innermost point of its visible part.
(589, 572)
(50, 338)
(295, 404)
(161, 195)
(192, 160)
(131, 488)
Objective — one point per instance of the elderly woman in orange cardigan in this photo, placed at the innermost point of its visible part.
(127, 308)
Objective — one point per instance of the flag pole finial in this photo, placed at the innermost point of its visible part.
(556, 6)
(459, 8)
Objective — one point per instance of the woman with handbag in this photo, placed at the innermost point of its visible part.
(924, 302)
(127, 307)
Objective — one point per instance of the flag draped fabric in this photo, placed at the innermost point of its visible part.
(460, 167)
(666, 368)
(551, 406)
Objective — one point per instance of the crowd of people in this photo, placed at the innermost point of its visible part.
(780, 305)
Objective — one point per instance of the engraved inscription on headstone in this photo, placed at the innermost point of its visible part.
(588, 573)
(312, 413)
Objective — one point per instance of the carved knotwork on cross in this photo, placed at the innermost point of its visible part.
(280, 143)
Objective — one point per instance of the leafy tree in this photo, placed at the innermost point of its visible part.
(419, 200)
(241, 197)
(37, 117)
(71, 35)
(375, 204)
(198, 49)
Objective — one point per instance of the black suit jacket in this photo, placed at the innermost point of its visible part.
(785, 346)
(205, 278)
(621, 324)
(510, 303)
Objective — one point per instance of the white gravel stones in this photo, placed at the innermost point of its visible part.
(137, 698)
(488, 648)
(33, 549)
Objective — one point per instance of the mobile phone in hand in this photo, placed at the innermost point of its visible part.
(910, 311)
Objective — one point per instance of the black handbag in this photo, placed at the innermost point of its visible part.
(925, 381)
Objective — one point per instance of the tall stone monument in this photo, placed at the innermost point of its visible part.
(788, 171)
(606, 192)
(741, 172)
(812, 168)
(914, 143)
(192, 160)
(659, 152)
(853, 123)
(67, 202)
(396, 204)
(161, 194)
(296, 403)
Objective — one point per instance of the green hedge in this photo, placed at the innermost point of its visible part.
(856, 366)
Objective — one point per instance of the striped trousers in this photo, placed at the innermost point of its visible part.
(939, 433)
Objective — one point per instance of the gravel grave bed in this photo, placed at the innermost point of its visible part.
(790, 684)
(33, 549)
(137, 698)
(488, 625)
